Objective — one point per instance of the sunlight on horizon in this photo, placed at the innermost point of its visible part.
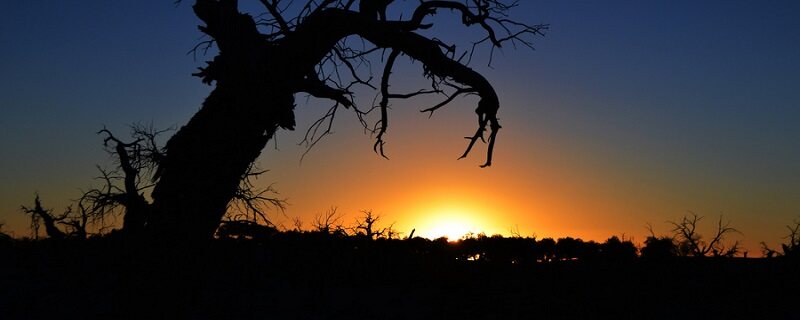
(452, 223)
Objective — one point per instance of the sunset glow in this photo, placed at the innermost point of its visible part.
(446, 225)
(451, 221)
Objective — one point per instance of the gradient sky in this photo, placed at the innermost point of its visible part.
(628, 112)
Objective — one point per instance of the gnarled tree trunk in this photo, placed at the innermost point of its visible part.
(207, 158)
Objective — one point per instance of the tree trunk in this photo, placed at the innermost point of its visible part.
(207, 158)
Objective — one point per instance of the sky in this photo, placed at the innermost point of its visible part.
(627, 113)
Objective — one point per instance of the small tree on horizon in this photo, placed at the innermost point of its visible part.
(690, 242)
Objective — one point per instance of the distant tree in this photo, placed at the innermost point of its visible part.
(618, 250)
(329, 222)
(658, 247)
(75, 223)
(790, 249)
(89, 218)
(367, 226)
(40, 216)
(768, 252)
(691, 243)
(298, 224)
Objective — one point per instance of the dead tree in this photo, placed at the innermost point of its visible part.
(86, 220)
(790, 249)
(320, 48)
(367, 226)
(329, 222)
(40, 216)
(691, 243)
(121, 192)
(136, 168)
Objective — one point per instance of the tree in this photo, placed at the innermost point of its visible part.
(691, 243)
(618, 250)
(88, 219)
(791, 249)
(260, 66)
(329, 222)
(658, 247)
(367, 226)
(40, 215)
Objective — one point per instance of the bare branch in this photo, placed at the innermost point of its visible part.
(383, 123)
(692, 243)
(250, 203)
(272, 7)
(329, 222)
(38, 213)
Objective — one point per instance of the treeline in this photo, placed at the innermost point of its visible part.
(328, 231)
(367, 232)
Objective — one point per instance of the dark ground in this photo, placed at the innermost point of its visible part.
(312, 279)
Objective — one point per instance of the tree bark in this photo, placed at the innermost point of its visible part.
(207, 158)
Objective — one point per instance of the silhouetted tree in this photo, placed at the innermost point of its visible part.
(768, 252)
(41, 216)
(691, 243)
(263, 63)
(135, 171)
(329, 222)
(659, 248)
(618, 250)
(367, 226)
(790, 249)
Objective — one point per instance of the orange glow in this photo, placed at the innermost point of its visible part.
(452, 223)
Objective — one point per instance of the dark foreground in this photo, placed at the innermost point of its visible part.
(313, 279)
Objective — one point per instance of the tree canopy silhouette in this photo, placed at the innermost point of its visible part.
(263, 62)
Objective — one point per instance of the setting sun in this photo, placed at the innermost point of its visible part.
(450, 223)
(453, 230)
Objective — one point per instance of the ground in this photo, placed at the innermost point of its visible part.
(314, 278)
